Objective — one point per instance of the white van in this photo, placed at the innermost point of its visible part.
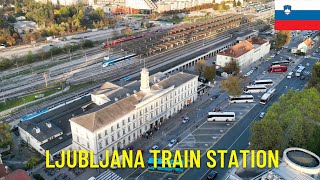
(289, 75)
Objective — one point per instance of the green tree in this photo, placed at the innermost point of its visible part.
(64, 11)
(232, 85)
(11, 19)
(127, 31)
(5, 135)
(30, 57)
(5, 64)
(200, 65)
(314, 80)
(238, 3)
(232, 67)
(32, 162)
(283, 38)
(209, 72)
(234, 3)
(293, 121)
(38, 177)
(17, 7)
(220, 7)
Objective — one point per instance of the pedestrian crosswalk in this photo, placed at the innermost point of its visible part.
(108, 175)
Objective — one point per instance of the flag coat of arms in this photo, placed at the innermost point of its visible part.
(297, 14)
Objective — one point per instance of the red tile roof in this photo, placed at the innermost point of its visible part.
(17, 175)
(4, 171)
(308, 42)
(238, 49)
(257, 40)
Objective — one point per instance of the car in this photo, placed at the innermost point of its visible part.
(212, 175)
(317, 51)
(155, 147)
(278, 52)
(255, 68)
(215, 96)
(185, 120)
(172, 143)
(262, 114)
(307, 64)
(273, 55)
(2, 46)
(264, 72)
(308, 56)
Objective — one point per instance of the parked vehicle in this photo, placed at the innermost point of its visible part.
(172, 142)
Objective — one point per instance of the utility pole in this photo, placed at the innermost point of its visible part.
(45, 75)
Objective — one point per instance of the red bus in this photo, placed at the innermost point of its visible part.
(278, 68)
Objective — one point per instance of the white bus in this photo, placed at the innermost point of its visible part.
(267, 96)
(255, 89)
(299, 71)
(266, 82)
(241, 99)
(221, 116)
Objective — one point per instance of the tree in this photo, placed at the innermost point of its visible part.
(293, 121)
(5, 64)
(234, 3)
(220, 7)
(232, 67)
(200, 65)
(127, 31)
(232, 85)
(209, 72)
(238, 3)
(5, 135)
(30, 57)
(314, 80)
(11, 40)
(32, 162)
(283, 38)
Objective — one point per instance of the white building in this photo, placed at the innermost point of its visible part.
(63, 2)
(23, 27)
(119, 121)
(245, 53)
(305, 45)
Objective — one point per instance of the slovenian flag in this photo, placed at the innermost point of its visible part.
(297, 14)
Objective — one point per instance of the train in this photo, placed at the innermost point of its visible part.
(125, 39)
(112, 61)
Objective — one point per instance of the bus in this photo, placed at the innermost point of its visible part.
(241, 99)
(266, 82)
(113, 61)
(166, 168)
(282, 63)
(221, 116)
(299, 71)
(277, 68)
(255, 89)
(267, 96)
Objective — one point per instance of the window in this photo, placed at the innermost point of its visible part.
(77, 138)
(123, 123)
(123, 131)
(112, 148)
(134, 135)
(118, 126)
(140, 122)
(100, 145)
(129, 138)
(112, 138)
(112, 129)
(129, 119)
(118, 134)
(106, 132)
(157, 104)
(88, 145)
(129, 129)
(151, 107)
(99, 136)
(140, 112)
(146, 118)
(134, 116)
(134, 125)
(106, 142)
(146, 110)
(124, 142)
(145, 128)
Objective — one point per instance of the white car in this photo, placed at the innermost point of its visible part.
(155, 147)
(264, 72)
(172, 143)
(262, 114)
(273, 55)
(2, 46)
(185, 120)
(307, 64)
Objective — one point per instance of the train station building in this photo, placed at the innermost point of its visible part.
(127, 112)
(245, 52)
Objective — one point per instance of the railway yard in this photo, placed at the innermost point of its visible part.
(154, 48)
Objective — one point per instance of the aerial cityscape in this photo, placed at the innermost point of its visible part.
(145, 89)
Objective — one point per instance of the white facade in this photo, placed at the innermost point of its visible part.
(64, 2)
(152, 110)
(247, 56)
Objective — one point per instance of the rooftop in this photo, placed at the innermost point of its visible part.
(109, 113)
(238, 49)
(308, 42)
(18, 174)
(257, 40)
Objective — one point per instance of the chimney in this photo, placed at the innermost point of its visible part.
(49, 125)
(144, 80)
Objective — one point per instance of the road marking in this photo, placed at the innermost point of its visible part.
(207, 134)
(196, 142)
